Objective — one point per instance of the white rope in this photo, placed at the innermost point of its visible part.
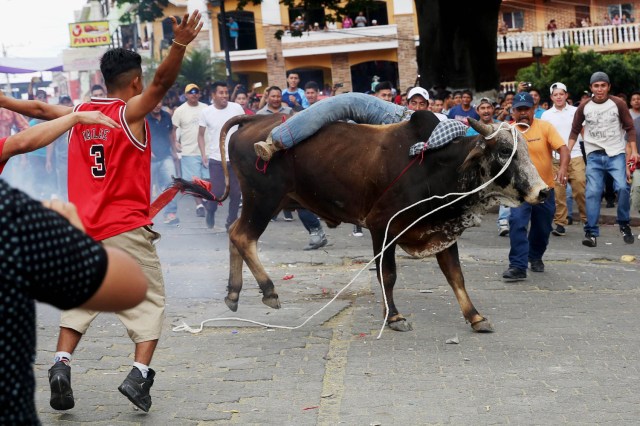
(185, 327)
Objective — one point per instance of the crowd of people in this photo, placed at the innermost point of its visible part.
(575, 147)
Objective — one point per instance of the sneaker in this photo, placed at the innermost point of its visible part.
(589, 240)
(610, 205)
(60, 384)
(171, 219)
(627, 236)
(536, 265)
(317, 239)
(514, 274)
(200, 211)
(265, 150)
(136, 388)
(559, 231)
(503, 228)
(357, 231)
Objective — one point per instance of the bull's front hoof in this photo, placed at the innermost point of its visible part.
(231, 304)
(271, 301)
(482, 326)
(400, 325)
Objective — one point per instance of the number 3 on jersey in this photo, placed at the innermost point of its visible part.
(99, 169)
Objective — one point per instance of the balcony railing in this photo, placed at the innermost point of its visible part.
(590, 37)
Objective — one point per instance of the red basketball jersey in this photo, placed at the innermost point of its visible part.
(2, 141)
(109, 172)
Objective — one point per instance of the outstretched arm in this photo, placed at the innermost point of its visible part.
(35, 109)
(139, 106)
(44, 133)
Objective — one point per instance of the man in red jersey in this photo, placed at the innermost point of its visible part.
(109, 183)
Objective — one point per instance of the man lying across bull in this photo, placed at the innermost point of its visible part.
(361, 108)
(542, 138)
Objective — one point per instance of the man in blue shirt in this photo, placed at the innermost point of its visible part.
(464, 110)
(293, 95)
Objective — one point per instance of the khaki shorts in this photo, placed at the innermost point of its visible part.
(144, 322)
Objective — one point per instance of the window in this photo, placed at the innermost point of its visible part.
(246, 30)
(310, 17)
(622, 10)
(514, 19)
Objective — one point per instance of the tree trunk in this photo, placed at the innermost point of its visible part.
(458, 42)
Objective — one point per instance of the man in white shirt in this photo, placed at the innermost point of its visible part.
(561, 116)
(186, 118)
(212, 118)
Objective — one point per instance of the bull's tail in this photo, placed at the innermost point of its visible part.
(237, 120)
(198, 188)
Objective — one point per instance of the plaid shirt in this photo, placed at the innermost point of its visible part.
(445, 132)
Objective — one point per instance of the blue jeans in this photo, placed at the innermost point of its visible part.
(217, 188)
(192, 166)
(161, 172)
(530, 247)
(600, 164)
(308, 219)
(361, 108)
(503, 214)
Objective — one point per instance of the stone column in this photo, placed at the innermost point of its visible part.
(407, 62)
(341, 71)
(276, 73)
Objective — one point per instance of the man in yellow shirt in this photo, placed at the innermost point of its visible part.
(542, 138)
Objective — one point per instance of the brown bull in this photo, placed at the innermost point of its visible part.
(354, 173)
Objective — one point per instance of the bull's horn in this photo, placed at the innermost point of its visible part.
(480, 127)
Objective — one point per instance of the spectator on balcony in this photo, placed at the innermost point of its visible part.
(616, 20)
(586, 22)
(361, 20)
(298, 24)
(572, 25)
(374, 22)
(606, 19)
(552, 26)
(347, 22)
(233, 31)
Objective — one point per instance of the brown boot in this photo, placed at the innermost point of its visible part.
(266, 149)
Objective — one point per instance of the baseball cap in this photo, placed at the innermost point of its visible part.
(557, 85)
(522, 99)
(599, 76)
(418, 91)
(484, 100)
(191, 87)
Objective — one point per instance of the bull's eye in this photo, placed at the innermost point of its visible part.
(504, 152)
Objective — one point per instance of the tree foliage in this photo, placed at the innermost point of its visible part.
(574, 69)
(198, 67)
(146, 10)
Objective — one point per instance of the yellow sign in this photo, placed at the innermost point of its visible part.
(93, 33)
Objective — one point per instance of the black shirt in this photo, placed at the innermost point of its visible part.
(44, 258)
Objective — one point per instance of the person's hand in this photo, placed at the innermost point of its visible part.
(95, 117)
(522, 87)
(205, 162)
(561, 177)
(179, 146)
(66, 210)
(293, 100)
(188, 29)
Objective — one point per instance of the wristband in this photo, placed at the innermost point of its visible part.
(179, 44)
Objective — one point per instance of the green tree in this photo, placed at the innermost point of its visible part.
(574, 69)
(146, 10)
(198, 67)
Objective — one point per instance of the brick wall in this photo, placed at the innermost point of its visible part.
(276, 73)
(341, 71)
(407, 63)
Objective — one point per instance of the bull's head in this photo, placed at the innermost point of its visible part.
(520, 181)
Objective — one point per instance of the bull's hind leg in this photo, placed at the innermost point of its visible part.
(449, 262)
(395, 320)
(243, 243)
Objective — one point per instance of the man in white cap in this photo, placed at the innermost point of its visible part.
(561, 116)
(605, 118)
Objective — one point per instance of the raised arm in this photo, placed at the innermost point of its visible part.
(139, 106)
(35, 109)
(44, 133)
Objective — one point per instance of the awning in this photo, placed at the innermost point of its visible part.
(29, 65)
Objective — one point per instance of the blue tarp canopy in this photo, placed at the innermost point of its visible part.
(29, 65)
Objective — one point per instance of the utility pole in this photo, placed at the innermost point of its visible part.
(222, 23)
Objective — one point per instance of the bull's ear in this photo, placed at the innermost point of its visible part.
(480, 127)
(474, 155)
